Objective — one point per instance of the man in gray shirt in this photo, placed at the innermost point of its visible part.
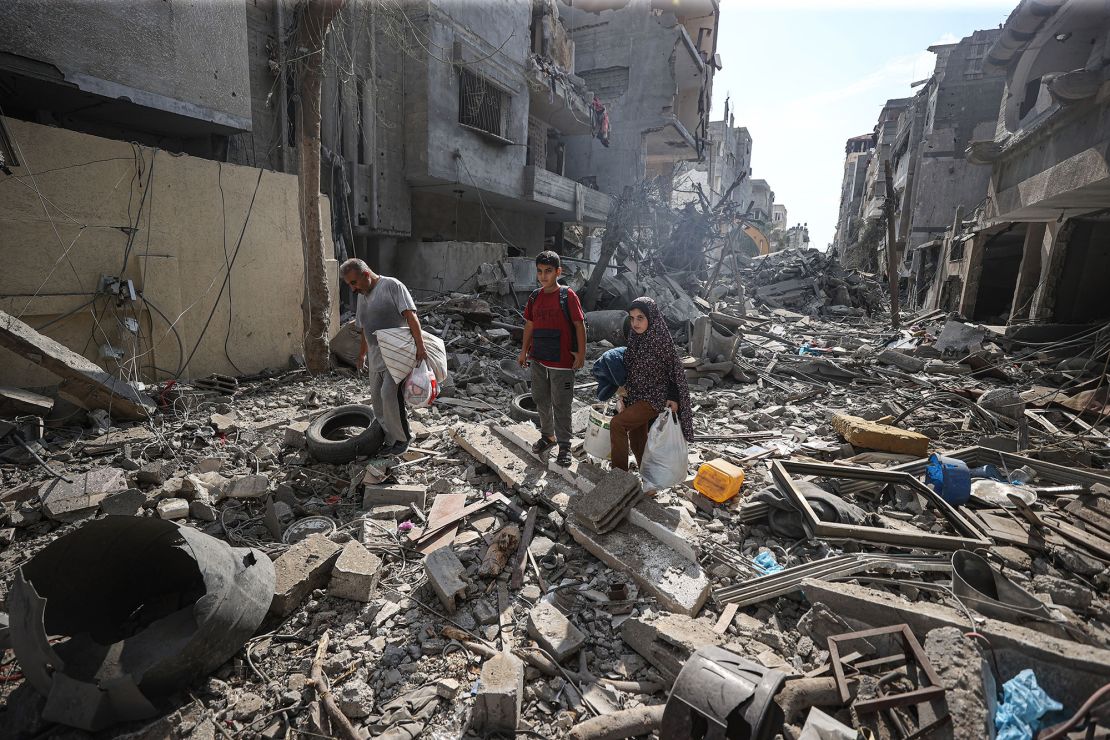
(383, 303)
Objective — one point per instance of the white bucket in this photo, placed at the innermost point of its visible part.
(597, 442)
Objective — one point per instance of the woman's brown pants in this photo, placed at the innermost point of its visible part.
(630, 427)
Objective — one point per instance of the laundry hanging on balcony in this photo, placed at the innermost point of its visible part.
(600, 121)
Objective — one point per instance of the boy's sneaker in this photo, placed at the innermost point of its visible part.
(542, 445)
(563, 460)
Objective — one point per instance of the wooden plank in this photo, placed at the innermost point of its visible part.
(436, 522)
(444, 507)
(522, 549)
(83, 382)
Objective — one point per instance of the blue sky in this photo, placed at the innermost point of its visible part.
(805, 75)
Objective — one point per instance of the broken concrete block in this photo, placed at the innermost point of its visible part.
(124, 503)
(392, 495)
(669, 640)
(609, 502)
(901, 361)
(959, 663)
(223, 423)
(249, 486)
(1004, 401)
(155, 473)
(500, 694)
(862, 433)
(18, 402)
(485, 612)
(554, 632)
(83, 382)
(673, 527)
(202, 510)
(208, 465)
(173, 508)
(294, 434)
(205, 486)
(677, 583)
(355, 699)
(391, 513)
(445, 573)
(355, 574)
(67, 502)
(303, 567)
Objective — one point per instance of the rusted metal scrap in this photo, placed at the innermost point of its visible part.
(109, 620)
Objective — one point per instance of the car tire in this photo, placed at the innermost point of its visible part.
(523, 408)
(325, 449)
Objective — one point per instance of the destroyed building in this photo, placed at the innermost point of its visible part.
(877, 529)
(857, 156)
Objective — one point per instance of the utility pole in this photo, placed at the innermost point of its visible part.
(891, 246)
(316, 16)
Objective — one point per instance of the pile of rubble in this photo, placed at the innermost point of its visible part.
(470, 588)
(811, 282)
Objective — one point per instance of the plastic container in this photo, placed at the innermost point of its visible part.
(718, 480)
(950, 478)
(598, 444)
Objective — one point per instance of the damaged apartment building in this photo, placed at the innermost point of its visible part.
(1000, 170)
(150, 175)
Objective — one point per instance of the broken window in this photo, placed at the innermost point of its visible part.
(482, 105)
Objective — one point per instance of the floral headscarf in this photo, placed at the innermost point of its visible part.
(652, 363)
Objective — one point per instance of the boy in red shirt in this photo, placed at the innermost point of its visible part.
(555, 340)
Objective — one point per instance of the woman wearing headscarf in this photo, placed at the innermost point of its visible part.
(655, 382)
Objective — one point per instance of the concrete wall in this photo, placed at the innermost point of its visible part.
(440, 218)
(626, 55)
(431, 267)
(189, 58)
(96, 191)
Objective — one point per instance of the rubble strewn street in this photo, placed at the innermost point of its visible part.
(468, 587)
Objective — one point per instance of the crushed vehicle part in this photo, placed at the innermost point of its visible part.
(912, 652)
(328, 442)
(148, 606)
(980, 587)
(720, 694)
(969, 537)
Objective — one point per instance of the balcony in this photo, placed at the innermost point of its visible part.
(554, 99)
(564, 199)
(671, 142)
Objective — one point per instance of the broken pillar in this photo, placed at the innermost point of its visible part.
(500, 694)
(83, 382)
(901, 360)
(554, 632)
(883, 437)
(355, 574)
(300, 569)
(965, 674)
(445, 574)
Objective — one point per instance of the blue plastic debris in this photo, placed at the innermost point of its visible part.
(950, 478)
(766, 562)
(1024, 702)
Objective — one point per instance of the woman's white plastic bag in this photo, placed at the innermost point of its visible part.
(665, 460)
(420, 386)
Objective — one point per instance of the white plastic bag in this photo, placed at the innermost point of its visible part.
(665, 461)
(420, 386)
(598, 443)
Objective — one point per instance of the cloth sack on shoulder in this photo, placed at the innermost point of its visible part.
(399, 353)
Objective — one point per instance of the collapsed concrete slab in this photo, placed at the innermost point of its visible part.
(668, 640)
(1066, 670)
(83, 382)
(608, 503)
(17, 401)
(68, 501)
(967, 678)
(301, 569)
(483, 445)
(672, 527)
(554, 632)
(678, 584)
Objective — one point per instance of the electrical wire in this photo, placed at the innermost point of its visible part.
(227, 275)
(180, 344)
(223, 233)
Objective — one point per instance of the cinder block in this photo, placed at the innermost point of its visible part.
(500, 693)
(445, 573)
(303, 567)
(862, 433)
(355, 575)
(554, 632)
(294, 434)
(386, 495)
